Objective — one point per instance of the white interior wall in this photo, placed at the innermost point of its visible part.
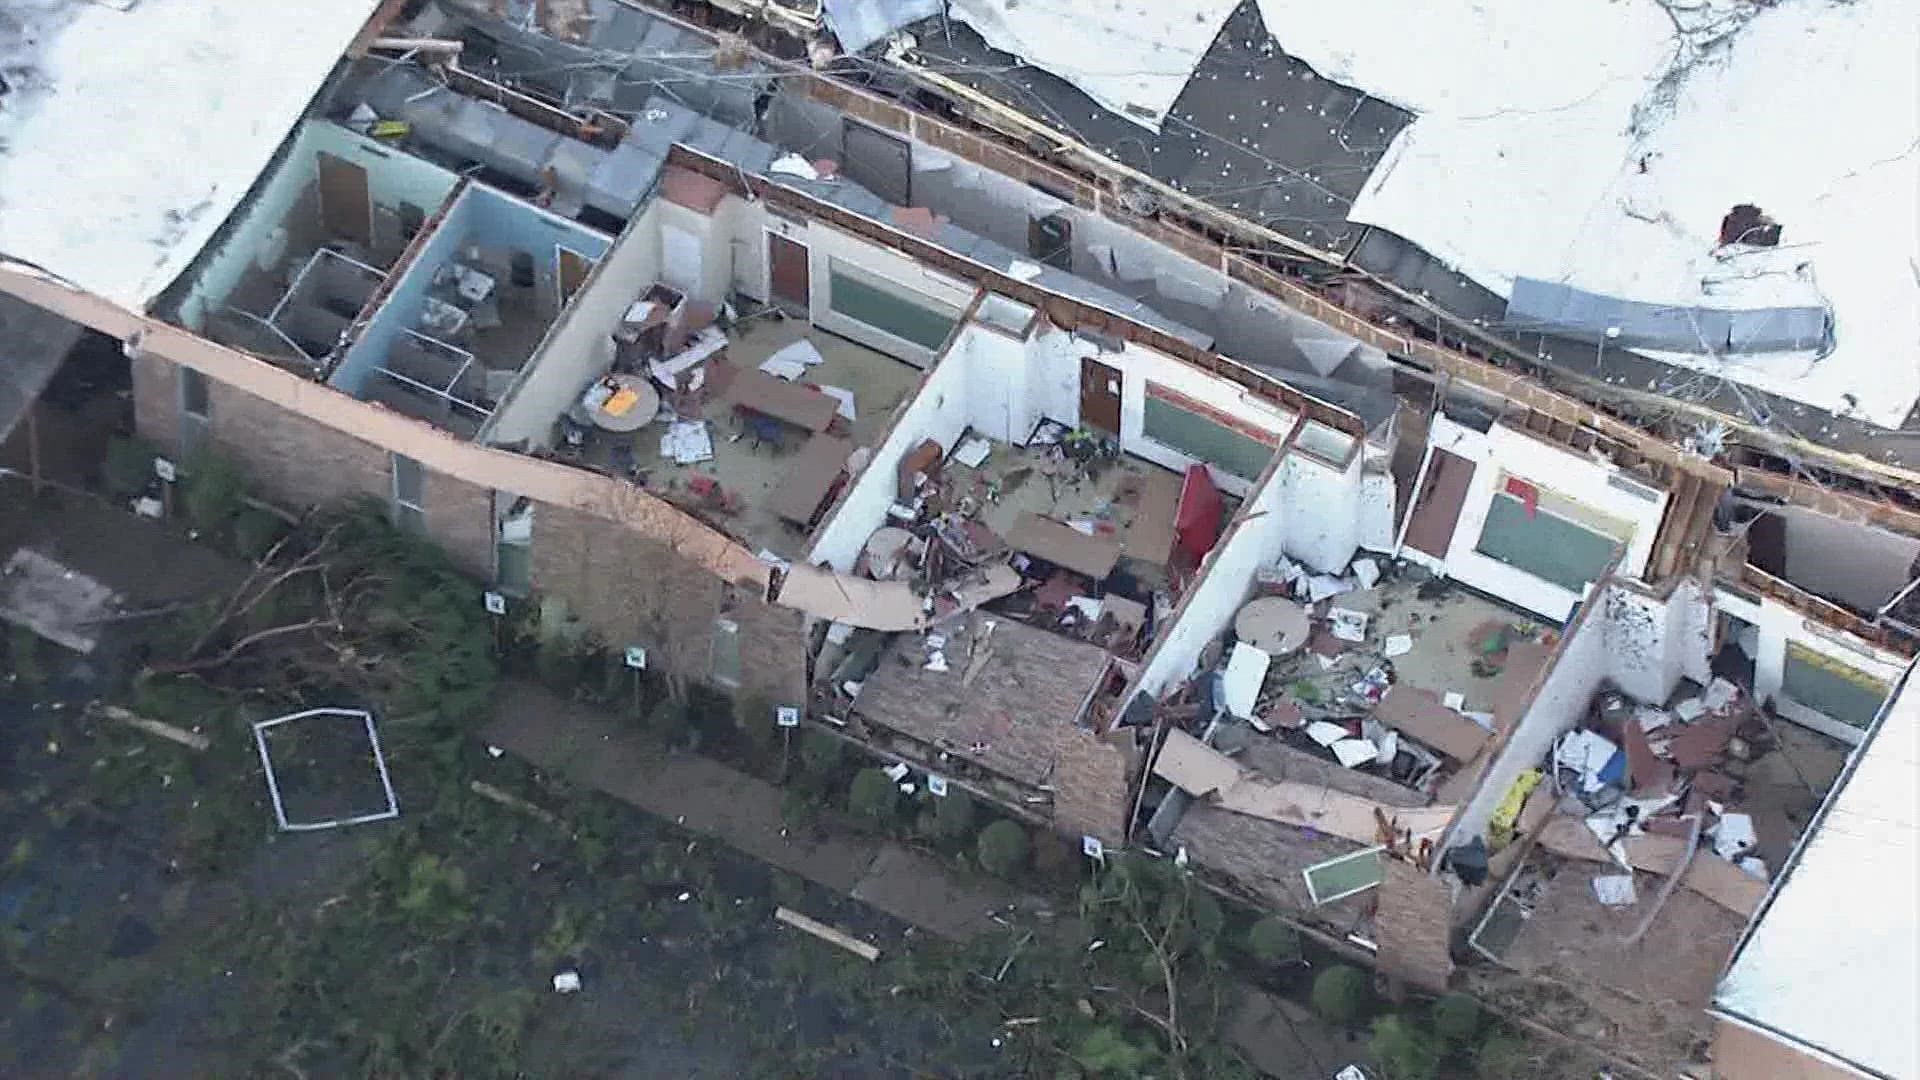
(392, 178)
(1140, 365)
(997, 404)
(1779, 624)
(1581, 479)
(1324, 512)
(825, 244)
(1580, 665)
(1858, 565)
(750, 223)
(1653, 643)
(939, 412)
(578, 348)
(1053, 377)
(711, 243)
(1258, 533)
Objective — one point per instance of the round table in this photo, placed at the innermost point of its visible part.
(636, 417)
(1273, 624)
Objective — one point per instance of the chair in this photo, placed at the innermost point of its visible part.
(573, 436)
(620, 458)
(764, 429)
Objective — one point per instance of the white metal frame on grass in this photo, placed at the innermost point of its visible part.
(273, 782)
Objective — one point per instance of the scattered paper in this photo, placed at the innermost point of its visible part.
(1399, 644)
(1354, 753)
(1614, 890)
(1689, 710)
(1652, 719)
(1088, 606)
(842, 395)
(1587, 753)
(973, 452)
(1455, 700)
(567, 982)
(1321, 586)
(1326, 734)
(1367, 571)
(1720, 695)
(897, 771)
(687, 442)
(768, 556)
(1083, 525)
(1349, 625)
(1734, 836)
(1389, 745)
(937, 662)
(1021, 270)
(1246, 672)
(1755, 866)
(783, 367)
(794, 165)
(1484, 719)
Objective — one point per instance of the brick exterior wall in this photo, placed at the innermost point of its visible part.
(1414, 927)
(623, 587)
(460, 519)
(1090, 794)
(626, 589)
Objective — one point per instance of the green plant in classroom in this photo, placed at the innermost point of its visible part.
(211, 492)
(1002, 848)
(1342, 994)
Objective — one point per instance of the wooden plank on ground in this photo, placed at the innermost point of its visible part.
(828, 934)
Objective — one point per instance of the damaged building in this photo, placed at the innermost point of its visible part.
(854, 409)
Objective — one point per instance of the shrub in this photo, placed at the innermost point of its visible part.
(128, 470)
(210, 493)
(1456, 1018)
(1504, 1057)
(873, 799)
(820, 754)
(1002, 848)
(255, 531)
(1403, 1049)
(670, 721)
(952, 816)
(753, 715)
(1342, 994)
(1272, 941)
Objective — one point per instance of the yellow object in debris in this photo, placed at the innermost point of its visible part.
(390, 129)
(622, 400)
(1507, 814)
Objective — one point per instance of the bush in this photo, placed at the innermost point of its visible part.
(128, 470)
(1456, 1018)
(670, 721)
(873, 799)
(952, 816)
(255, 532)
(1403, 1049)
(1272, 941)
(820, 754)
(1002, 848)
(1342, 994)
(1504, 1057)
(210, 493)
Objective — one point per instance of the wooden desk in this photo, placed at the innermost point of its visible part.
(1151, 536)
(801, 406)
(810, 479)
(1064, 545)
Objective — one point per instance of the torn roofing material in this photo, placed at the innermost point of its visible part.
(33, 342)
(1833, 961)
(129, 136)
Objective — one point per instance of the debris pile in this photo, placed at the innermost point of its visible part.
(1313, 660)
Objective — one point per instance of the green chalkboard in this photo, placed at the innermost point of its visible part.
(888, 312)
(1198, 437)
(1830, 688)
(1548, 547)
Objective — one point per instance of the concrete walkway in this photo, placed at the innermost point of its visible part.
(743, 811)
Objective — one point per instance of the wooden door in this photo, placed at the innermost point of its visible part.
(345, 207)
(1099, 396)
(787, 275)
(574, 268)
(1436, 509)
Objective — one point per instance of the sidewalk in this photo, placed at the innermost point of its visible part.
(743, 811)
